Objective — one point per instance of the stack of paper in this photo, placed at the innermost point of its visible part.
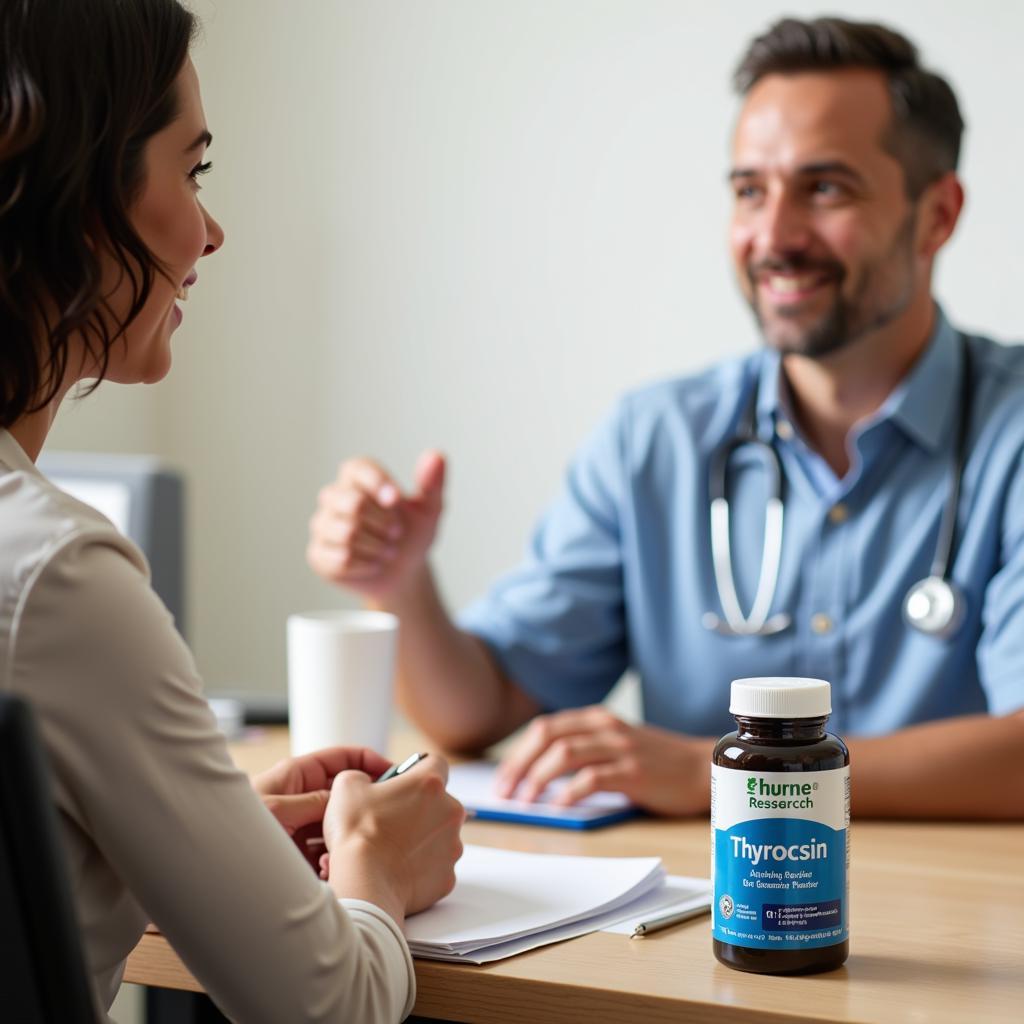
(676, 895)
(506, 902)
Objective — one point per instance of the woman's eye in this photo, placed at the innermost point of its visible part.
(200, 169)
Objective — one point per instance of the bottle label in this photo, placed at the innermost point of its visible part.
(780, 856)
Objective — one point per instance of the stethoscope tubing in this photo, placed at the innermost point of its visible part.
(934, 606)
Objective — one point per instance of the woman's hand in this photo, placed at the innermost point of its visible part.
(395, 844)
(297, 791)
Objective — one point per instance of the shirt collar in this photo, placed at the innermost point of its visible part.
(921, 404)
(770, 408)
(13, 455)
(925, 401)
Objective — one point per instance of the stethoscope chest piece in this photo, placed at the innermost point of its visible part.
(935, 606)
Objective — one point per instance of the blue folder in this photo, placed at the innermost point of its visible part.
(473, 784)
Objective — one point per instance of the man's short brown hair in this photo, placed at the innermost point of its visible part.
(926, 128)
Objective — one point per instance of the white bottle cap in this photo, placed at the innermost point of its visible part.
(780, 697)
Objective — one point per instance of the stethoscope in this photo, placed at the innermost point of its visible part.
(934, 606)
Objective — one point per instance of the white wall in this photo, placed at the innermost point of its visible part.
(470, 224)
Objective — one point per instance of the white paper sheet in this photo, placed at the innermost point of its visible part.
(487, 954)
(503, 897)
(678, 893)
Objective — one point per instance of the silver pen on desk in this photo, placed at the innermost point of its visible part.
(656, 924)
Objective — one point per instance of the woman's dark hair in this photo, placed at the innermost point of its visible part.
(926, 127)
(83, 85)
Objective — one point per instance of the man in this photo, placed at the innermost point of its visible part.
(845, 190)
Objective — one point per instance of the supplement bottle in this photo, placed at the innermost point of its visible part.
(780, 817)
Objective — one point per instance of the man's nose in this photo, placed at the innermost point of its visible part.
(782, 227)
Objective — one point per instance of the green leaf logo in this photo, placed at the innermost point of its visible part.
(751, 786)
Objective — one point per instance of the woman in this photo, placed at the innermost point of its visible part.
(102, 142)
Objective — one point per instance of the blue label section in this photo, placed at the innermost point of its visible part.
(801, 917)
(780, 883)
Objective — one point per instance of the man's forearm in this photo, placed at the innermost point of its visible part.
(969, 767)
(447, 682)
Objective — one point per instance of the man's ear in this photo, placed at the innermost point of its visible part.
(938, 212)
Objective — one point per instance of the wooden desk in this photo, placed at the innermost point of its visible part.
(937, 935)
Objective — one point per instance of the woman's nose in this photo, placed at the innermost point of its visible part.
(214, 234)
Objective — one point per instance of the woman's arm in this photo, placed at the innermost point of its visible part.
(142, 770)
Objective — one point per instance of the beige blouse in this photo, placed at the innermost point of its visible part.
(157, 822)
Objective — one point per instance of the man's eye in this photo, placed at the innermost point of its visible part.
(826, 188)
(748, 191)
(200, 169)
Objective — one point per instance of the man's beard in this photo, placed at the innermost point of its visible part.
(849, 317)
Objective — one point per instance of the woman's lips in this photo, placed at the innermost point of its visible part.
(186, 284)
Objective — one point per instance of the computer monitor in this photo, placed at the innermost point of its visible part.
(145, 499)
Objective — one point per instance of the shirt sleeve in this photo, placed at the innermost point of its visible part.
(556, 625)
(1001, 647)
(141, 768)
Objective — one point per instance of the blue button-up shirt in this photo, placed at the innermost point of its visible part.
(619, 572)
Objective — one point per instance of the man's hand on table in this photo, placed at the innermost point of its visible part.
(663, 772)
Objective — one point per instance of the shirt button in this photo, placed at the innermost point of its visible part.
(821, 623)
(784, 429)
(838, 513)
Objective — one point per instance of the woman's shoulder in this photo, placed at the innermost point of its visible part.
(77, 612)
(40, 524)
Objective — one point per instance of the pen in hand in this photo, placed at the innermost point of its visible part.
(399, 768)
(656, 924)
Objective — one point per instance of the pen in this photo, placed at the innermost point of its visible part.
(401, 769)
(656, 924)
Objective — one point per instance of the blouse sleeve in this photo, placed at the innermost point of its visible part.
(141, 768)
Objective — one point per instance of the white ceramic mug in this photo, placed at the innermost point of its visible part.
(341, 668)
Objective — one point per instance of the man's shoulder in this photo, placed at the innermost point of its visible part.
(692, 400)
(999, 391)
(1001, 360)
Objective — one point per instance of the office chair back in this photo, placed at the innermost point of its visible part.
(43, 978)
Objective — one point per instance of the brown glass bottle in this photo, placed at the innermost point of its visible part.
(797, 747)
